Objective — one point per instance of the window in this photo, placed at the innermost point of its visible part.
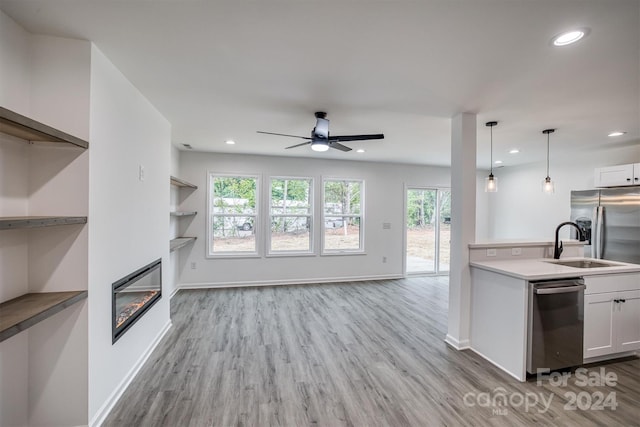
(233, 215)
(291, 215)
(342, 216)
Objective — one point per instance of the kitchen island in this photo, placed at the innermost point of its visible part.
(500, 301)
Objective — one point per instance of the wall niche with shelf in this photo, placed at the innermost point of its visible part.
(43, 288)
(184, 188)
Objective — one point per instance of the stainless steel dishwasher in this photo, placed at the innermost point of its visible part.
(555, 324)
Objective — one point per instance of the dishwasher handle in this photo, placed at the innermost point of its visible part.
(558, 290)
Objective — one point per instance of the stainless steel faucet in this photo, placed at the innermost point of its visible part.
(557, 249)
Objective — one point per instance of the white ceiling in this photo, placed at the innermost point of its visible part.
(221, 70)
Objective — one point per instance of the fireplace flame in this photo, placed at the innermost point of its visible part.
(132, 307)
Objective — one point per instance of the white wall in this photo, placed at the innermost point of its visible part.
(128, 223)
(15, 57)
(384, 199)
(520, 210)
(45, 78)
(483, 207)
(58, 185)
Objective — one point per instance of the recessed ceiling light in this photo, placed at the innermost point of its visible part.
(359, 150)
(514, 151)
(569, 37)
(229, 142)
(498, 162)
(617, 133)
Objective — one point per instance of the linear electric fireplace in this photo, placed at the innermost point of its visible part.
(133, 295)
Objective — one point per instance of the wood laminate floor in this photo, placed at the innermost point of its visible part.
(347, 354)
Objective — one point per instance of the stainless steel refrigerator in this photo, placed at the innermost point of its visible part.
(610, 221)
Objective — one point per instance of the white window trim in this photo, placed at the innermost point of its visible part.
(339, 252)
(311, 251)
(257, 224)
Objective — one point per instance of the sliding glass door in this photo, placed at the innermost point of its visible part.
(427, 228)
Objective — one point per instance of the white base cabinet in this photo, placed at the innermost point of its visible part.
(611, 315)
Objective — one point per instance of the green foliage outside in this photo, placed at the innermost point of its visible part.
(421, 205)
(342, 197)
(230, 193)
(290, 197)
(292, 190)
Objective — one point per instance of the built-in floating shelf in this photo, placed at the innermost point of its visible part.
(181, 183)
(179, 242)
(14, 222)
(25, 128)
(23, 312)
(183, 213)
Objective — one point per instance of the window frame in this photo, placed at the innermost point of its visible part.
(257, 223)
(337, 252)
(311, 218)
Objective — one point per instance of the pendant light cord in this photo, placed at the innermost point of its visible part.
(491, 156)
(547, 155)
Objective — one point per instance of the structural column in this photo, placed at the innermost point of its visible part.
(463, 226)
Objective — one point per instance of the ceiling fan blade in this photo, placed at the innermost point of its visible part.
(283, 134)
(339, 146)
(298, 145)
(355, 137)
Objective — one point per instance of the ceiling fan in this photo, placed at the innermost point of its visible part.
(320, 139)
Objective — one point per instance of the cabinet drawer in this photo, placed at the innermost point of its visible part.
(612, 283)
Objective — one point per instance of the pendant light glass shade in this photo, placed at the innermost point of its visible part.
(547, 184)
(491, 182)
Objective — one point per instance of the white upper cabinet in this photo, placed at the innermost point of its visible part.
(616, 176)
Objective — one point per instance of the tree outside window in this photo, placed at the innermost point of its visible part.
(291, 211)
(233, 218)
(342, 216)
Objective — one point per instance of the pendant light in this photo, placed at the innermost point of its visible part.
(491, 182)
(547, 184)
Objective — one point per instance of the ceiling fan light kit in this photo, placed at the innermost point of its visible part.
(319, 146)
(320, 139)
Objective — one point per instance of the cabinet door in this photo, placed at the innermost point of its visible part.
(613, 176)
(598, 324)
(627, 321)
(636, 174)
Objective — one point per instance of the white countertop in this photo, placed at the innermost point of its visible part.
(538, 269)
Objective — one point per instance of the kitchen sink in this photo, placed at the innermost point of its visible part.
(582, 263)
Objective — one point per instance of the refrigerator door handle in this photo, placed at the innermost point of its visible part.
(599, 232)
(594, 232)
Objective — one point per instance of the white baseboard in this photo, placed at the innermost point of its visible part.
(598, 359)
(458, 345)
(174, 292)
(208, 285)
(102, 413)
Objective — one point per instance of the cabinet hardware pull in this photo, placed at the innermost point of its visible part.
(623, 300)
(616, 300)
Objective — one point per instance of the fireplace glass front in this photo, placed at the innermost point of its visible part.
(133, 295)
